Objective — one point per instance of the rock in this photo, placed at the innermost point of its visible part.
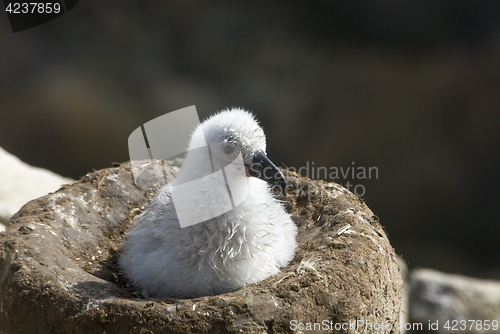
(58, 267)
(20, 183)
(404, 316)
(453, 299)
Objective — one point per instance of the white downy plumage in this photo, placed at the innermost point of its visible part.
(240, 247)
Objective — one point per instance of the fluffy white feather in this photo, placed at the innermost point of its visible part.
(241, 247)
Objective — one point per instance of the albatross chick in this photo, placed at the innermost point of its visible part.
(240, 247)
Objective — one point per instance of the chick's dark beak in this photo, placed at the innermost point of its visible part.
(264, 169)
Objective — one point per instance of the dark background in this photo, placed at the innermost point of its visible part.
(409, 87)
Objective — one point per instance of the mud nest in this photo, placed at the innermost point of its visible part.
(59, 273)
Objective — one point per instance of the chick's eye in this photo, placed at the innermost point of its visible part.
(228, 149)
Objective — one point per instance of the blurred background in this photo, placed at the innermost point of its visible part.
(409, 87)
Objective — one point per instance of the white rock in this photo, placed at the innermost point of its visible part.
(405, 302)
(21, 183)
(454, 300)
